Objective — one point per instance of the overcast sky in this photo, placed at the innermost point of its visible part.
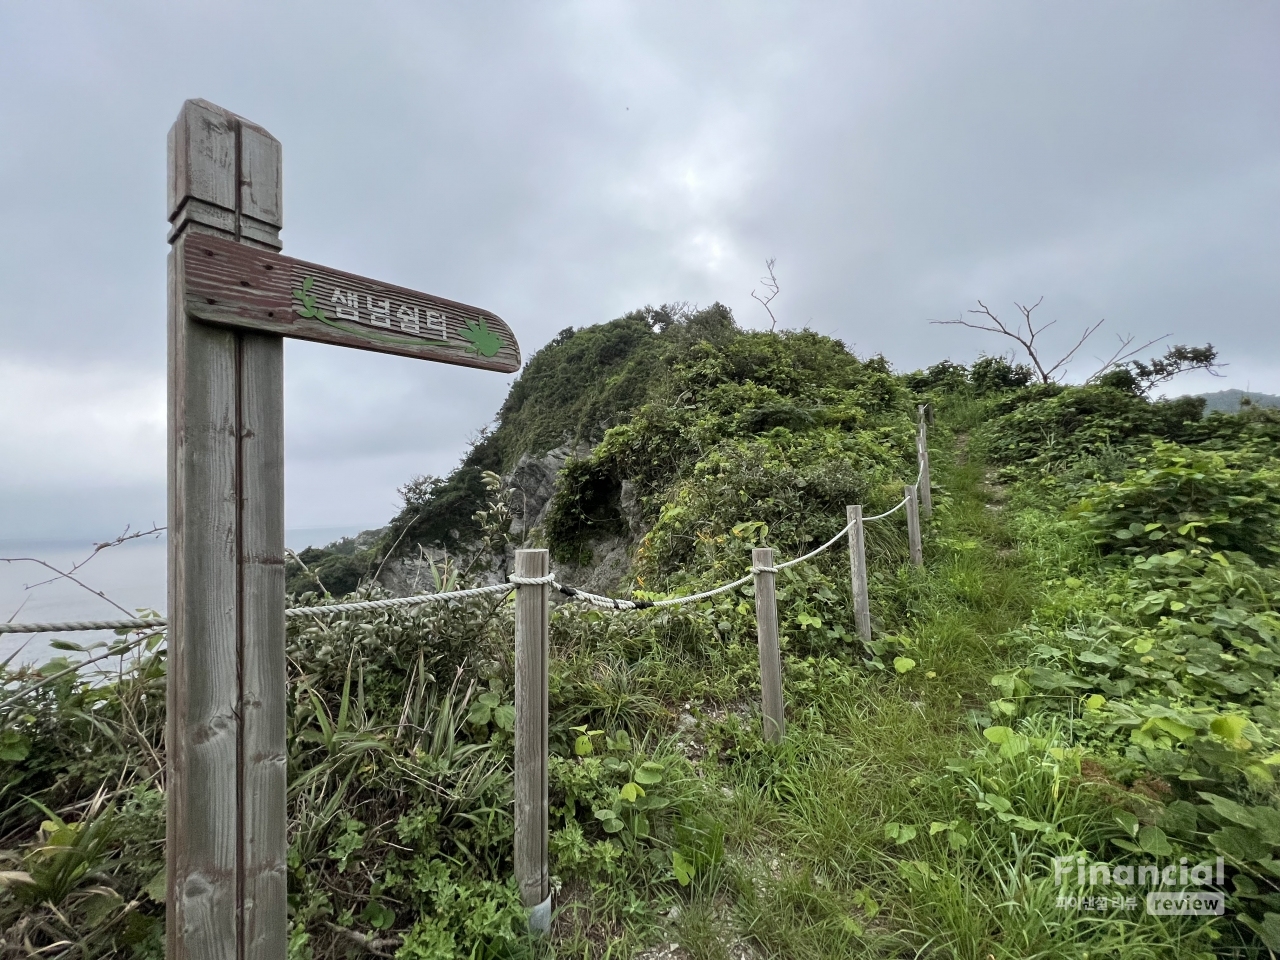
(563, 163)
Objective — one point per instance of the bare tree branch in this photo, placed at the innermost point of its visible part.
(69, 574)
(1028, 341)
(1142, 375)
(1122, 354)
(770, 283)
(1088, 332)
(1048, 373)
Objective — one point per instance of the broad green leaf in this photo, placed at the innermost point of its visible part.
(998, 734)
(903, 664)
(157, 887)
(1231, 810)
(1153, 841)
(505, 717)
(1128, 821)
(899, 833)
(997, 802)
(649, 773)
(682, 868)
(1230, 727)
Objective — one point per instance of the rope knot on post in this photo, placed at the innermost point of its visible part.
(519, 581)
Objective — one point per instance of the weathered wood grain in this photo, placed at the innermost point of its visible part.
(922, 457)
(532, 641)
(262, 644)
(231, 284)
(913, 526)
(774, 715)
(203, 670)
(858, 571)
(226, 732)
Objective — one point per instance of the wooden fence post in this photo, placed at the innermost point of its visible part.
(532, 641)
(913, 526)
(858, 571)
(225, 843)
(922, 456)
(774, 719)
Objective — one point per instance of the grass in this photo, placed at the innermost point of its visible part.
(894, 821)
(819, 860)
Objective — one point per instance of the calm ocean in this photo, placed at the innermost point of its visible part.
(132, 574)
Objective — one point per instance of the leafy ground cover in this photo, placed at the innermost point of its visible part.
(1084, 671)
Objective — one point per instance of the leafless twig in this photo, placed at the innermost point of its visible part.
(1123, 353)
(1025, 333)
(378, 947)
(770, 283)
(307, 570)
(69, 574)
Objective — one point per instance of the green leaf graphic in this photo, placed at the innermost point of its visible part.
(308, 301)
(483, 341)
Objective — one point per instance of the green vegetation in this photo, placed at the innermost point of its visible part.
(1085, 670)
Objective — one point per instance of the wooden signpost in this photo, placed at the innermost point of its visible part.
(232, 300)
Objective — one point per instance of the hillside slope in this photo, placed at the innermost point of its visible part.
(1084, 672)
(1232, 401)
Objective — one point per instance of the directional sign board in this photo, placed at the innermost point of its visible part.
(236, 285)
(233, 298)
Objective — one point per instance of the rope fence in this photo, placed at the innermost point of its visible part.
(391, 603)
(532, 583)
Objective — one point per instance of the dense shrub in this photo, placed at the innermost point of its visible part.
(760, 426)
(1046, 428)
(996, 374)
(1186, 498)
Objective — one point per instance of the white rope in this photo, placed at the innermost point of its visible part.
(353, 607)
(138, 624)
(390, 603)
(394, 602)
(894, 509)
(693, 598)
(813, 553)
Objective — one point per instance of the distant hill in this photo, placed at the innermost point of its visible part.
(1228, 401)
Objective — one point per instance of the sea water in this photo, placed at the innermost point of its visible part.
(132, 574)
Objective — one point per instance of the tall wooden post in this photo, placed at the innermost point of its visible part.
(775, 722)
(922, 455)
(225, 844)
(532, 641)
(858, 571)
(913, 526)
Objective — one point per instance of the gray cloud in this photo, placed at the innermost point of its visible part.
(563, 163)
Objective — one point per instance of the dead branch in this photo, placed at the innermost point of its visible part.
(1122, 354)
(1026, 338)
(124, 537)
(770, 283)
(64, 575)
(378, 947)
(292, 555)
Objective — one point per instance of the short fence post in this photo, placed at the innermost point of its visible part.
(858, 571)
(922, 455)
(913, 526)
(532, 629)
(775, 722)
